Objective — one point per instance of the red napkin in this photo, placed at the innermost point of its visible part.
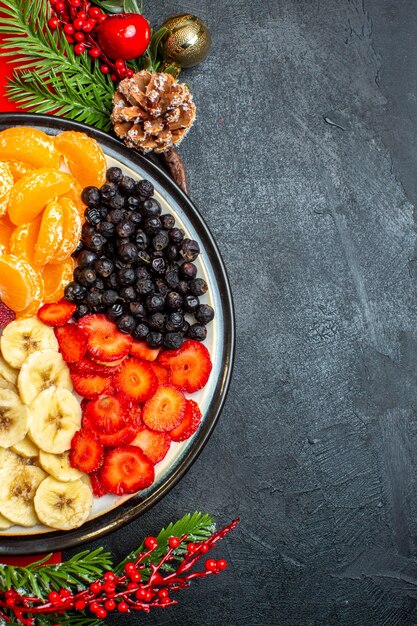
(22, 561)
(6, 70)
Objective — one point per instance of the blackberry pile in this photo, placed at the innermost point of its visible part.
(136, 266)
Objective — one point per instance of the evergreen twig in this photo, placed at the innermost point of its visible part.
(52, 78)
(197, 527)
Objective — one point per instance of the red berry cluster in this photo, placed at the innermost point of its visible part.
(125, 592)
(79, 22)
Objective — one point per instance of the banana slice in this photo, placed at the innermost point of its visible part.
(4, 384)
(4, 523)
(63, 505)
(58, 466)
(22, 338)
(17, 491)
(11, 461)
(26, 448)
(7, 372)
(54, 418)
(40, 371)
(13, 418)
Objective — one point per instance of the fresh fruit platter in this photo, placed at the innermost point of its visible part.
(116, 332)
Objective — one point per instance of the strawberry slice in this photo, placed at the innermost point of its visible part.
(136, 380)
(87, 453)
(189, 423)
(162, 373)
(110, 363)
(120, 437)
(135, 415)
(87, 366)
(190, 365)
(155, 445)
(126, 470)
(6, 315)
(105, 414)
(57, 313)
(96, 485)
(72, 342)
(141, 350)
(89, 385)
(165, 410)
(105, 342)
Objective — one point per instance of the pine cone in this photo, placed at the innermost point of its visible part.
(152, 112)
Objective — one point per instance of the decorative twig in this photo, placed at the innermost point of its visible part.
(175, 166)
(141, 586)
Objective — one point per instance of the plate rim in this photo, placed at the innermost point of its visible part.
(133, 508)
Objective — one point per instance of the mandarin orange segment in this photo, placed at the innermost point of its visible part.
(71, 230)
(33, 191)
(18, 169)
(6, 179)
(84, 157)
(23, 240)
(74, 194)
(50, 233)
(6, 185)
(6, 230)
(30, 310)
(55, 278)
(29, 145)
(4, 203)
(20, 284)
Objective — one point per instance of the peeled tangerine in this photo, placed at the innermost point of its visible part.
(55, 278)
(23, 240)
(6, 184)
(71, 230)
(19, 169)
(74, 194)
(50, 233)
(84, 157)
(30, 146)
(6, 230)
(33, 191)
(19, 283)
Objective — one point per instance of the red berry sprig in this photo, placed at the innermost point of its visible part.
(141, 587)
(79, 22)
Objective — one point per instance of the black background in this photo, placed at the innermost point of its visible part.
(316, 447)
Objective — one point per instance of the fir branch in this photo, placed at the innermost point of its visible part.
(60, 96)
(197, 527)
(52, 77)
(39, 579)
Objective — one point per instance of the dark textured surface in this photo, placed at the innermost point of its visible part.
(316, 447)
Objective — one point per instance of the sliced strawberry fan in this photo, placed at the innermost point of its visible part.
(165, 410)
(105, 343)
(57, 314)
(190, 365)
(155, 445)
(126, 470)
(72, 342)
(136, 380)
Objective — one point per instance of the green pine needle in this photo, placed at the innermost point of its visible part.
(197, 527)
(84, 568)
(52, 78)
(39, 579)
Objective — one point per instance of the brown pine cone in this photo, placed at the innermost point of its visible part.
(152, 112)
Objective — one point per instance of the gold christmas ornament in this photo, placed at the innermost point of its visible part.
(188, 41)
(152, 111)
